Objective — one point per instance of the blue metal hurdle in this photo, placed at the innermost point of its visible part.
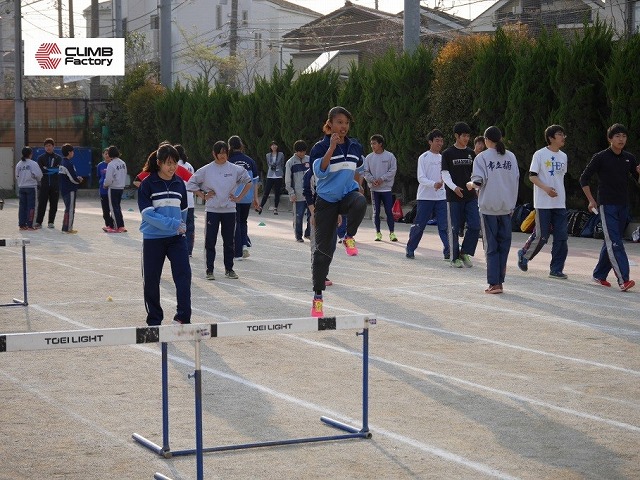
(197, 333)
(23, 242)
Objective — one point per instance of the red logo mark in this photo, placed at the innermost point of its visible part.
(43, 56)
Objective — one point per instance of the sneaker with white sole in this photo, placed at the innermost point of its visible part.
(392, 237)
(466, 260)
(457, 263)
(245, 253)
(493, 289)
(210, 276)
(378, 237)
(230, 274)
(558, 275)
(627, 285)
(350, 246)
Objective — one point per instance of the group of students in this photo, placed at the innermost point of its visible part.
(480, 188)
(45, 181)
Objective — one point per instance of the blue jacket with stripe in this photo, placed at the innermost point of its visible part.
(334, 183)
(163, 205)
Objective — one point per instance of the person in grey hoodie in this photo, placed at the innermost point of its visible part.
(380, 168)
(496, 176)
(275, 162)
(28, 175)
(115, 180)
(216, 184)
(293, 179)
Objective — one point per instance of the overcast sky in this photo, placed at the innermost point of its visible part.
(41, 16)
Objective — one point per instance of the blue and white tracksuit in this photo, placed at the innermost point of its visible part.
(337, 193)
(68, 182)
(163, 205)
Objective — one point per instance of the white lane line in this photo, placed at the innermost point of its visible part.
(512, 346)
(546, 317)
(510, 395)
(438, 452)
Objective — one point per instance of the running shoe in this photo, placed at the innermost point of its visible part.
(627, 285)
(522, 261)
(230, 274)
(245, 253)
(466, 260)
(409, 254)
(316, 306)
(50, 225)
(378, 237)
(493, 289)
(558, 275)
(392, 237)
(350, 246)
(275, 211)
(210, 276)
(599, 281)
(327, 282)
(457, 263)
(110, 230)
(121, 230)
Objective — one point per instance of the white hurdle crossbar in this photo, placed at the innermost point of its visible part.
(15, 342)
(18, 242)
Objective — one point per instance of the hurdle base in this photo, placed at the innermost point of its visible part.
(155, 448)
(16, 303)
(353, 432)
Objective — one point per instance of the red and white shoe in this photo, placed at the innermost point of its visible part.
(599, 281)
(350, 246)
(627, 285)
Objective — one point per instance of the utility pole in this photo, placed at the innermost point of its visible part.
(233, 40)
(19, 117)
(71, 34)
(60, 34)
(411, 37)
(119, 33)
(94, 85)
(165, 43)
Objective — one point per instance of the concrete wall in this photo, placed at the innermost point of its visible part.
(7, 171)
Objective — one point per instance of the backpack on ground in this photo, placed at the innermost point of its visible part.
(410, 216)
(519, 214)
(576, 221)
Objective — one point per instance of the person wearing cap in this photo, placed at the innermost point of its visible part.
(462, 205)
(495, 176)
(613, 167)
(547, 171)
(275, 175)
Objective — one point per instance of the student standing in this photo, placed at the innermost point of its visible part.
(162, 200)
(115, 180)
(69, 182)
(431, 196)
(28, 174)
(547, 171)
(380, 168)
(337, 162)
(294, 180)
(495, 175)
(275, 173)
(101, 171)
(457, 165)
(191, 210)
(613, 167)
(243, 206)
(49, 191)
(216, 183)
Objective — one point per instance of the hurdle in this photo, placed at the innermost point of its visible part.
(197, 333)
(17, 242)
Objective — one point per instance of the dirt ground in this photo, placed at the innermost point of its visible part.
(541, 382)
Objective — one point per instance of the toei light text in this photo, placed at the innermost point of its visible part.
(74, 57)
(270, 327)
(74, 339)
